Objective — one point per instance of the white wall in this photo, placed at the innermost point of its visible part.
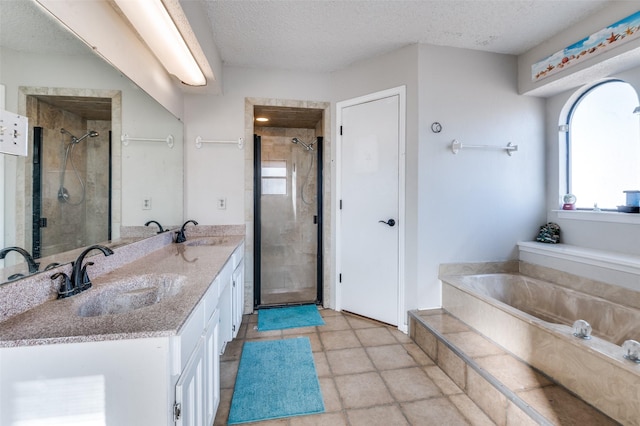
(216, 171)
(471, 207)
(475, 205)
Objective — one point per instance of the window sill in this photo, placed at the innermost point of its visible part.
(602, 216)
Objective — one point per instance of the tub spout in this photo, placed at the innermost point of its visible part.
(631, 350)
(582, 329)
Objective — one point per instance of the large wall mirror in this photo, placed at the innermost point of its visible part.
(104, 157)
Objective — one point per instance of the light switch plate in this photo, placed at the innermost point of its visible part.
(14, 129)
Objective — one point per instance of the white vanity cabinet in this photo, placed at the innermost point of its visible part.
(161, 380)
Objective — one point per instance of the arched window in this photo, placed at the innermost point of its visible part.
(603, 145)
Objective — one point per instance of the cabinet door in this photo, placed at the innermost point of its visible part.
(190, 407)
(226, 319)
(238, 297)
(212, 368)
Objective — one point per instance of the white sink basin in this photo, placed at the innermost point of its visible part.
(129, 294)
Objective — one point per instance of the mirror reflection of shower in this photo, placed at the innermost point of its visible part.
(63, 193)
(307, 180)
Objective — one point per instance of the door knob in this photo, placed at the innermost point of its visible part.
(390, 222)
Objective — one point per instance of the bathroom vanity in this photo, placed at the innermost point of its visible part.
(141, 347)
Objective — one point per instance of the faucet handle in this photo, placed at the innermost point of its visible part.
(65, 289)
(86, 281)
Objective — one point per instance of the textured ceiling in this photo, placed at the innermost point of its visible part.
(324, 35)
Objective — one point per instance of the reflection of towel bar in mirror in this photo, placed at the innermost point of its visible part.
(239, 142)
(457, 146)
(126, 139)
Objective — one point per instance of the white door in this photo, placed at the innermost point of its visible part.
(368, 280)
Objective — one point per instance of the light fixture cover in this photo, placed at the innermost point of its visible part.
(637, 110)
(152, 21)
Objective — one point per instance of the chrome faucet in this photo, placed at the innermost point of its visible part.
(180, 236)
(33, 265)
(159, 226)
(79, 280)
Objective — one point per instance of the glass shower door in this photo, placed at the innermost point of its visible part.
(288, 236)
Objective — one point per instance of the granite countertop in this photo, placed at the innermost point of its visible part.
(192, 266)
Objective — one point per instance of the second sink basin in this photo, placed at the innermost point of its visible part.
(130, 293)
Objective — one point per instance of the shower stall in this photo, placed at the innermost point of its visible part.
(71, 190)
(288, 217)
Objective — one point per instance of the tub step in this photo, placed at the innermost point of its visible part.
(508, 390)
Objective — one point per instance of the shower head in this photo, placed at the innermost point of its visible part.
(308, 147)
(89, 134)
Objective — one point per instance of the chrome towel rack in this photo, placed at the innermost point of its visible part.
(126, 139)
(239, 142)
(456, 146)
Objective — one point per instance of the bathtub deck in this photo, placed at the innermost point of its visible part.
(509, 391)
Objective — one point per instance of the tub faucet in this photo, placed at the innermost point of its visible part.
(159, 226)
(33, 265)
(631, 350)
(79, 280)
(180, 236)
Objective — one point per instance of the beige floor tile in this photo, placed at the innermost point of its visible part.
(228, 372)
(444, 382)
(330, 395)
(390, 357)
(222, 415)
(298, 331)
(377, 416)
(426, 341)
(362, 390)
(233, 351)
(375, 337)
(314, 340)
(410, 384)
(357, 322)
(339, 340)
(322, 365)
(333, 323)
(470, 410)
(514, 374)
(349, 361)
(436, 412)
(418, 354)
(253, 333)
(400, 336)
(329, 313)
(326, 419)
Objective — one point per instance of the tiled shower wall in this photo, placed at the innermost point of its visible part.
(70, 226)
(289, 234)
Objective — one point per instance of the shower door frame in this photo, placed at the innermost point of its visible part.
(257, 228)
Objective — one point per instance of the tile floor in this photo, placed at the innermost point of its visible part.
(370, 374)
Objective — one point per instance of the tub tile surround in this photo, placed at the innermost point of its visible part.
(593, 369)
(31, 315)
(509, 391)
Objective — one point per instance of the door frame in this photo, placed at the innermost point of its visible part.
(399, 91)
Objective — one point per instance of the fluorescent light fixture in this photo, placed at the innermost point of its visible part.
(152, 21)
(637, 110)
(264, 119)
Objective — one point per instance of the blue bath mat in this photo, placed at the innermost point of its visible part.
(276, 379)
(289, 317)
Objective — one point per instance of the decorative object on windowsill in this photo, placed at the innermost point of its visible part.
(549, 233)
(633, 202)
(569, 202)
